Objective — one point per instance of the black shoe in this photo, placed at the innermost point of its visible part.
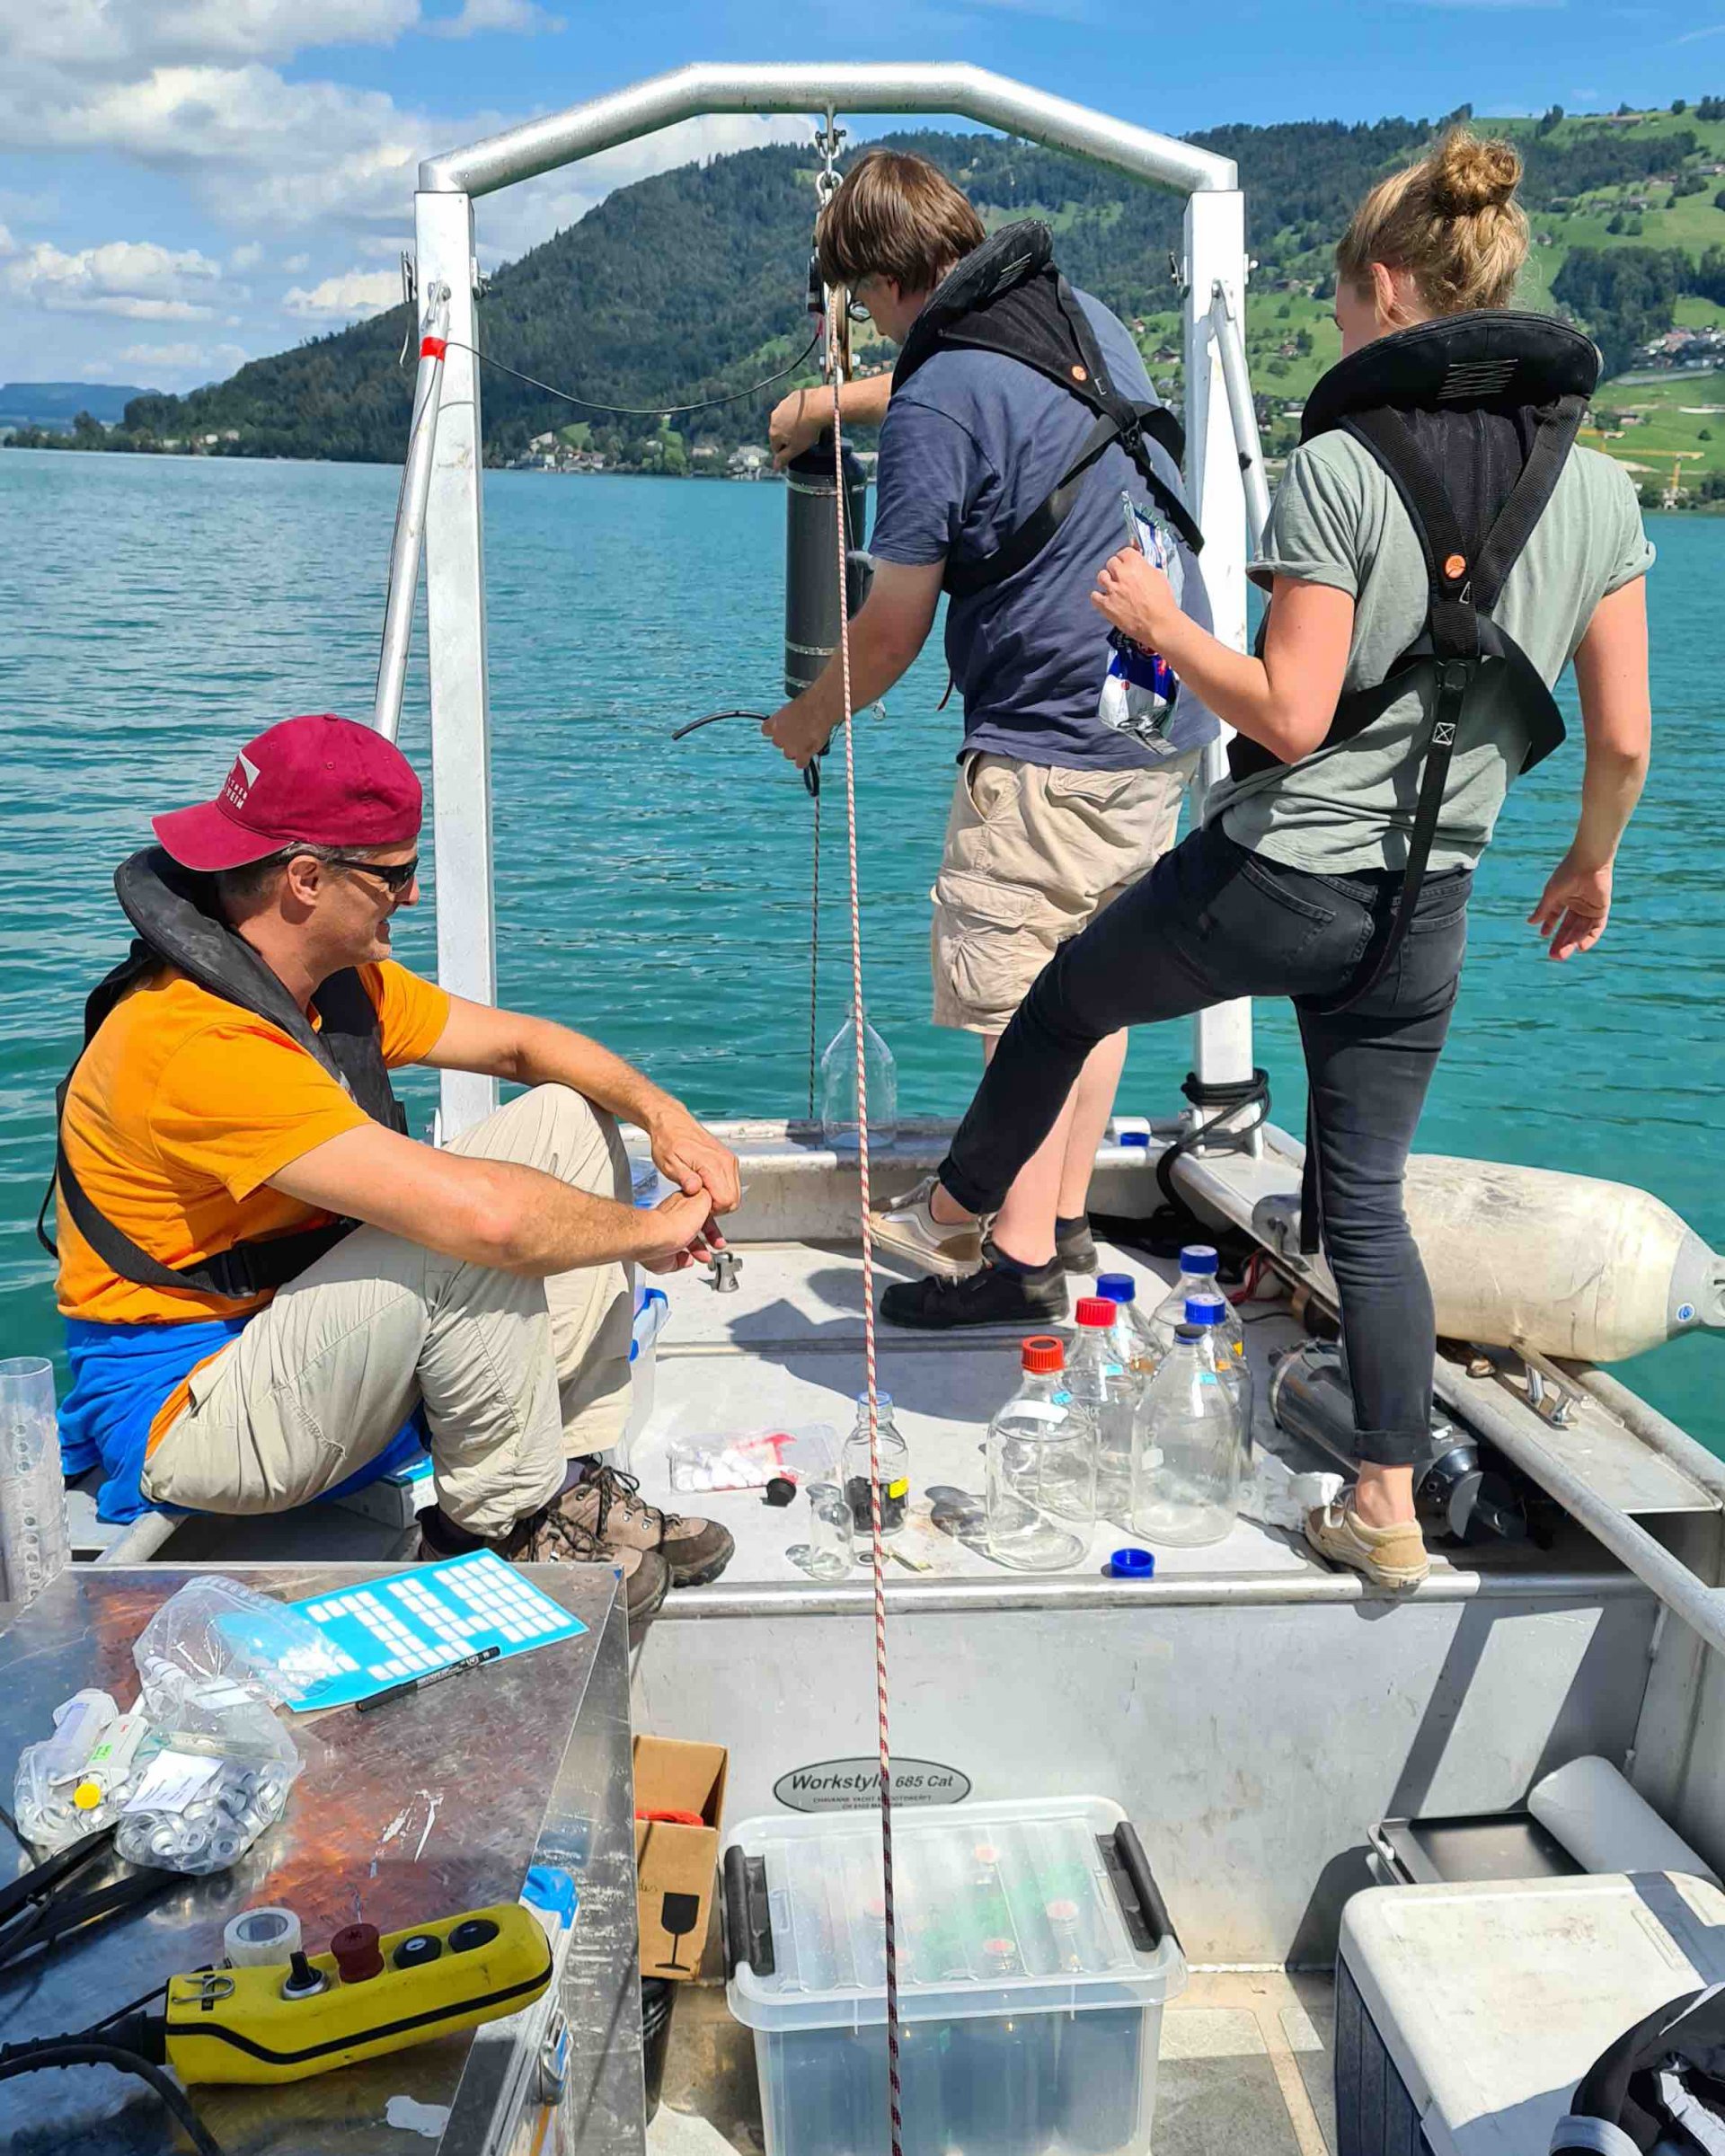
(1077, 1250)
(989, 1296)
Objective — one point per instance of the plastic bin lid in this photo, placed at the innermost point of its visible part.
(1002, 1908)
(1493, 1998)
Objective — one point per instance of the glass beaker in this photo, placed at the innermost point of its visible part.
(830, 1552)
(34, 1542)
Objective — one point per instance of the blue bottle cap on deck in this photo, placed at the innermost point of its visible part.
(1203, 1310)
(1140, 1139)
(1198, 1258)
(1117, 1287)
(1131, 1564)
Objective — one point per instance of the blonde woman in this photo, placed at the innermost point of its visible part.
(1437, 551)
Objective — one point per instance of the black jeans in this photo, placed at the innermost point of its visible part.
(1212, 922)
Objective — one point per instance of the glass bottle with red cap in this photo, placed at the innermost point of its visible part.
(1101, 1381)
(1042, 1451)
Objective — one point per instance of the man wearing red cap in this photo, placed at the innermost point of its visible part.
(263, 1278)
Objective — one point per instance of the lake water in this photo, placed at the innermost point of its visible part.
(157, 612)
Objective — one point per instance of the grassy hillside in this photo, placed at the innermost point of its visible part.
(689, 283)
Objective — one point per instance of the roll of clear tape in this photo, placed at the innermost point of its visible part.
(1605, 1827)
(258, 1937)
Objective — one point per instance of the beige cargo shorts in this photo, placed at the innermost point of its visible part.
(1032, 856)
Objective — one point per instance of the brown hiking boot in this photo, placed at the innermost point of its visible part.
(552, 1536)
(609, 1505)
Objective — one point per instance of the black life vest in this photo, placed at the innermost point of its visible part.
(174, 912)
(1658, 2091)
(1473, 417)
(1009, 296)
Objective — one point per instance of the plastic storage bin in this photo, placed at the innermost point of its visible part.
(1034, 1957)
(1465, 2015)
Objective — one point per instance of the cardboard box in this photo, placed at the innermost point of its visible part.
(675, 1865)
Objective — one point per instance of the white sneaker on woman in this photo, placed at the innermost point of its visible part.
(907, 1227)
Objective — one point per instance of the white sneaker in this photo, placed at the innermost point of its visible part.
(907, 1228)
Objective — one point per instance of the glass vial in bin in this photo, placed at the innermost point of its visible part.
(1000, 2084)
(1041, 1468)
(895, 1468)
(1098, 2079)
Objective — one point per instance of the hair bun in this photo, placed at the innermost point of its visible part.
(1468, 175)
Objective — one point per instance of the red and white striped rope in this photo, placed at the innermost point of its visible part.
(859, 1028)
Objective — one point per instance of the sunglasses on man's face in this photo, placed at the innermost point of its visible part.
(396, 875)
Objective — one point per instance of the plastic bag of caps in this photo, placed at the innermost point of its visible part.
(195, 1773)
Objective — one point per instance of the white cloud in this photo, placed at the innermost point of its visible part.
(347, 298)
(134, 278)
(245, 258)
(204, 360)
(297, 265)
(109, 34)
(521, 17)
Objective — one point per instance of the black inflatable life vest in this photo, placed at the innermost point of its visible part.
(1658, 2091)
(1009, 296)
(173, 911)
(1473, 417)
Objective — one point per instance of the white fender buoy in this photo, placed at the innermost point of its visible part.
(1565, 1265)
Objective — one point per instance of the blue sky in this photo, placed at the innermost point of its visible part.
(185, 184)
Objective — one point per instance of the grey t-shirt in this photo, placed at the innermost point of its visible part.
(970, 446)
(1337, 519)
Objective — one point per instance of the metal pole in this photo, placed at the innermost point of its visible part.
(1224, 326)
(454, 615)
(409, 516)
(559, 139)
(1216, 256)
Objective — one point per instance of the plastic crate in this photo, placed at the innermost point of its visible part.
(1034, 1955)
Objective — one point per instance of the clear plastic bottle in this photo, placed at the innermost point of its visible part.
(1101, 1380)
(838, 1087)
(1041, 1449)
(895, 1468)
(1187, 1452)
(1213, 1311)
(1198, 1276)
(35, 1544)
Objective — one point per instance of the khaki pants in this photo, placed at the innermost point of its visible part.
(1032, 856)
(516, 1375)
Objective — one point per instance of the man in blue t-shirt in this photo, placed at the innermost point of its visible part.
(1055, 812)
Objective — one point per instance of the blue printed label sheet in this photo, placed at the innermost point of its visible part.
(406, 1626)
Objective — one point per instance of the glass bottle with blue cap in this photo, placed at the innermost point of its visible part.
(1187, 1449)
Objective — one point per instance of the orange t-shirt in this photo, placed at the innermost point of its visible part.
(183, 1108)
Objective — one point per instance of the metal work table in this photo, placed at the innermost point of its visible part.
(432, 1806)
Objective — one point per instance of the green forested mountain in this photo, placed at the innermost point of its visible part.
(692, 283)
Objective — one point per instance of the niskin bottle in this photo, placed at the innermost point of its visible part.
(1110, 1388)
(1187, 1453)
(1198, 1276)
(895, 1468)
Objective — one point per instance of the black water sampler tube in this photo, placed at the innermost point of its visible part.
(810, 559)
(1310, 1399)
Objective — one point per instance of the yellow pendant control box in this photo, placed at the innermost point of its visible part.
(370, 1995)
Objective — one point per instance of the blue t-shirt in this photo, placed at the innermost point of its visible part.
(973, 444)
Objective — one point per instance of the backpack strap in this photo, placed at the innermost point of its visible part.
(1119, 420)
(1459, 590)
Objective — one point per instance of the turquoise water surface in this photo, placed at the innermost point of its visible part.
(157, 612)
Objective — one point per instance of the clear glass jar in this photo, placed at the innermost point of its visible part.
(895, 1468)
(1187, 1453)
(1041, 1469)
(1198, 1264)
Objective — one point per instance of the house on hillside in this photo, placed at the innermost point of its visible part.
(750, 462)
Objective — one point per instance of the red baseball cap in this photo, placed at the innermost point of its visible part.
(317, 781)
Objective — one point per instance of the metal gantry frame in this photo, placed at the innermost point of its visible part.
(443, 493)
